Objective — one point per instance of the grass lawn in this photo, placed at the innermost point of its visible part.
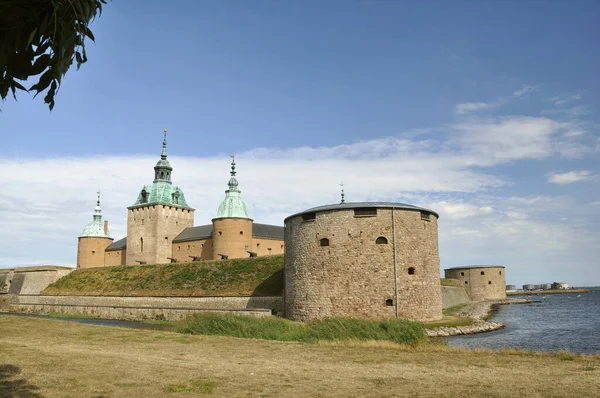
(256, 276)
(53, 358)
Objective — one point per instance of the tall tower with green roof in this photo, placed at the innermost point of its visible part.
(93, 241)
(232, 227)
(158, 215)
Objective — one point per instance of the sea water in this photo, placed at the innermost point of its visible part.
(556, 322)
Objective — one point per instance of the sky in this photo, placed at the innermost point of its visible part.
(486, 112)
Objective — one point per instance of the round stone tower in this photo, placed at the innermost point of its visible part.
(93, 241)
(365, 260)
(482, 282)
(232, 227)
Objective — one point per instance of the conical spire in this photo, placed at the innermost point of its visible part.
(232, 206)
(163, 169)
(95, 229)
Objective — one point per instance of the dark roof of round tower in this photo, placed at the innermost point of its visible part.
(357, 205)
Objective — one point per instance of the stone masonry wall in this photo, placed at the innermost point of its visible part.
(115, 257)
(453, 296)
(232, 237)
(354, 276)
(157, 225)
(90, 251)
(261, 246)
(481, 283)
(202, 248)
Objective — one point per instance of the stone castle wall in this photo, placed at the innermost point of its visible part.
(115, 257)
(232, 237)
(91, 251)
(30, 280)
(354, 276)
(151, 230)
(265, 247)
(481, 283)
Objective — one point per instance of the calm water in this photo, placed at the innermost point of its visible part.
(557, 322)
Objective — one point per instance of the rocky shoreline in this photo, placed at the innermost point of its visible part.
(478, 312)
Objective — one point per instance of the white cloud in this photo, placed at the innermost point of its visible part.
(563, 99)
(570, 177)
(524, 90)
(474, 106)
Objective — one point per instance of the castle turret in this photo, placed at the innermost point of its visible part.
(232, 227)
(93, 241)
(158, 215)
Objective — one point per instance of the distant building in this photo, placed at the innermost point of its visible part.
(528, 287)
(511, 287)
(546, 286)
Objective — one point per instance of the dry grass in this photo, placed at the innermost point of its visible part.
(53, 358)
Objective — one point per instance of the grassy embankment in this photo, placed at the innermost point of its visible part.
(51, 358)
(257, 276)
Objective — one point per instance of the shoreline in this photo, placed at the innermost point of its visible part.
(534, 292)
(479, 312)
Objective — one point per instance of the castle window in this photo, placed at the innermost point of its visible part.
(389, 302)
(257, 245)
(324, 242)
(178, 247)
(411, 270)
(175, 197)
(246, 248)
(466, 282)
(365, 212)
(241, 232)
(482, 273)
(309, 216)
(144, 196)
(142, 245)
(489, 282)
(425, 216)
(381, 240)
(93, 252)
(220, 233)
(462, 274)
(166, 239)
(282, 246)
(188, 247)
(162, 174)
(499, 272)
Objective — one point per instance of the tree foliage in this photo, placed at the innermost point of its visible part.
(42, 37)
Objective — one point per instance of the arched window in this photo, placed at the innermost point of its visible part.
(144, 196)
(411, 270)
(482, 273)
(162, 174)
(142, 245)
(382, 240)
(324, 242)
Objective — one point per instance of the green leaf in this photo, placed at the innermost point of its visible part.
(41, 63)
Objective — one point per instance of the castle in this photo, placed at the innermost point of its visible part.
(364, 260)
(160, 228)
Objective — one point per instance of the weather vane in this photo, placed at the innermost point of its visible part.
(343, 200)
(98, 197)
(165, 132)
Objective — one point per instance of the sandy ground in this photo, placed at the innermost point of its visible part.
(53, 358)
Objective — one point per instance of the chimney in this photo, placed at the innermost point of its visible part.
(105, 227)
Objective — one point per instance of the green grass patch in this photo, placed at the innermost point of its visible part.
(453, 310)
(194, 385)
(565, 356)
(73, 316)
(255, 276)
(449, 322)
(330, 329)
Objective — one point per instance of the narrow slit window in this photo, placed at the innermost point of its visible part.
(365, 212)
(309, 216)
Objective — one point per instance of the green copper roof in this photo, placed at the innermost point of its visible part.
(162, 190)
(233, 206)
(95, 229)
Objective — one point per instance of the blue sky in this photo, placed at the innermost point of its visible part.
(484, 111)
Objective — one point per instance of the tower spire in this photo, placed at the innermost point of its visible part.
(98, 201)
(233, 182)
(163, 155)
(343, 195)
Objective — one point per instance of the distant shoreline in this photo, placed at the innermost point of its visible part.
(556, 291)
